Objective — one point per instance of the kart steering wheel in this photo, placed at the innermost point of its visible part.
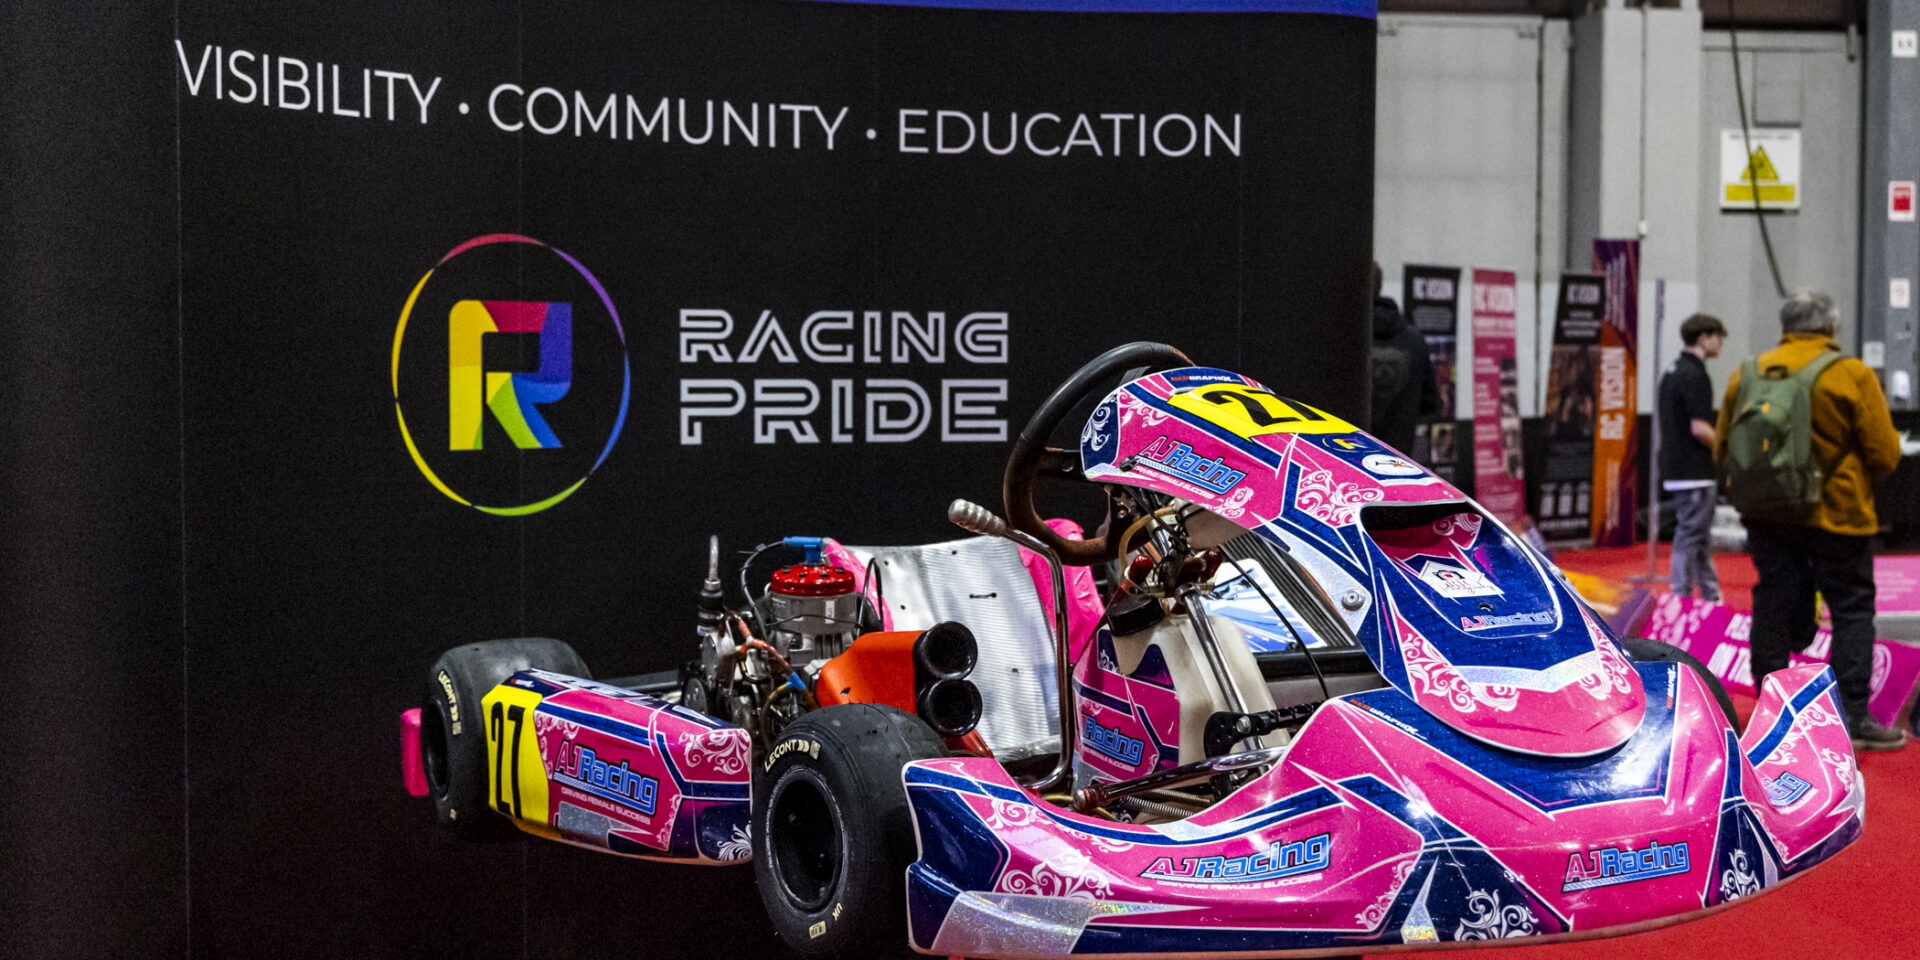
(1032, 458)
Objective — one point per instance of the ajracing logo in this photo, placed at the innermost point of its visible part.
(1278, 860)
(530, 392)
(1110, 741)
(1608, 866)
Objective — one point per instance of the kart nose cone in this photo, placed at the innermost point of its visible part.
(1578, 707)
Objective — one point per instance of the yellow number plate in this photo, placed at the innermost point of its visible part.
(1256, 413)
(516, 778)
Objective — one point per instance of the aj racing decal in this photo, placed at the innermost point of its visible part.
(1608, 866)
(1110, 741)
(1276, 861)
(1508, 620)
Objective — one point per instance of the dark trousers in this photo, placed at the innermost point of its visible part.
(1793, 562)
(1692, 559)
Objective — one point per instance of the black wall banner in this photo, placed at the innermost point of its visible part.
(432, 324)
(1563, 498)
(1432, 299)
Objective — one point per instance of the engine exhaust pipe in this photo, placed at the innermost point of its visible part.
(945, 651)
(950, 705)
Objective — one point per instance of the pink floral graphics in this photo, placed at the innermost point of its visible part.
(1334, 504)
(1433, 676)
(1377, 911)
(1236, 505)
(1076, 878)
(722, 751)
(1610, 675)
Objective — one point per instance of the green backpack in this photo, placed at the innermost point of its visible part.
(1767, 466)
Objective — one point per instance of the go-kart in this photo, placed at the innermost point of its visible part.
(1511, 770)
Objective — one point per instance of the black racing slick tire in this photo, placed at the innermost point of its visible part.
(1642, 649)
(832, 832)
(453, 736)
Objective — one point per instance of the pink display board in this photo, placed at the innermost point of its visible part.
(1717, 635)
(1897, 583)
(1497, 480)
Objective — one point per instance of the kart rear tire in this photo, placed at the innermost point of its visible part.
(453, 737)
(1640, 648)
(832, 830)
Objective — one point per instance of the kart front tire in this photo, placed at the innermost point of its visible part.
(832, 830)
(453, 736)
(1642, 649)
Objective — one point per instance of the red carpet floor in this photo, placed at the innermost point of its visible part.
(1735, 571)
(1853, 906)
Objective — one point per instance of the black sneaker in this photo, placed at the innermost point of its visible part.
(1869, 734)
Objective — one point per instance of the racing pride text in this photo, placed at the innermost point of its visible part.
(896, 406)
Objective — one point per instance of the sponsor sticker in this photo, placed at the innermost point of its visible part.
(1279, 859)
(1455, 580)
(1111, 742)
(1388, 465)
(1179, 460)
(1608, 866)
(1505, 620)
(1785, 791)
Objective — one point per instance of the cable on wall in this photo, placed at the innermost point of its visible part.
(1746, 137)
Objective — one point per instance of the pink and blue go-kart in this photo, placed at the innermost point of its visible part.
(880, 729)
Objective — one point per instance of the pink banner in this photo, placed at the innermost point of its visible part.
(1497, 478)
(1717, 635)
(1897, 586)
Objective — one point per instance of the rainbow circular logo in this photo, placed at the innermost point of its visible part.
(517, 358)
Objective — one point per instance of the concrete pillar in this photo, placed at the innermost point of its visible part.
(1890, 250)
(1634, 156)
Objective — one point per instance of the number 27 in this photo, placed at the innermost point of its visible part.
(506, 763)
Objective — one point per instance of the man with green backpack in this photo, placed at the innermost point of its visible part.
(1802, 436)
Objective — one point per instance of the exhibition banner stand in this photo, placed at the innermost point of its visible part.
(1615, 483)
(432, 329)
(1498, 483)
(1432, 299)
(1717, 636)
(1566, 490)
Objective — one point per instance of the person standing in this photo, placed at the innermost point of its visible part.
(1686, 455)
(1404, 390)
(1808, 507)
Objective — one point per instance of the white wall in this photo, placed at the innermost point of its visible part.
(1469, 159)
(1499, 145)
(1792, 79)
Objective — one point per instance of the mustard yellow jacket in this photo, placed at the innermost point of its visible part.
(1853, 434)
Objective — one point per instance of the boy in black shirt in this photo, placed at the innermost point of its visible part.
(1686, 454)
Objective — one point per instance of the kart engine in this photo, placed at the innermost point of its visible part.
(808, 613)
(812, 610)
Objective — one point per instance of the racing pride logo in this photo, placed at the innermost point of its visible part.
(1276, 861)
(530, 392)
(1608, 866)
(1179, 460)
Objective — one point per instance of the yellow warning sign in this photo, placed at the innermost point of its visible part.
(1772, 168)
(1760, 168)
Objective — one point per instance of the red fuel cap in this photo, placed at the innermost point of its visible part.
(812, 580)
